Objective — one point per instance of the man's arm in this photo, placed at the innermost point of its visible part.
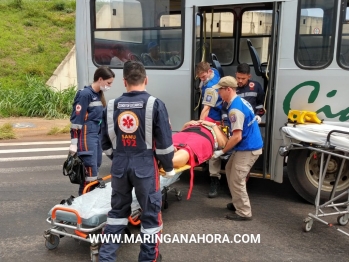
(204, 112)
(163, 137)
(260, 101)
(233, 140)
(106, 144)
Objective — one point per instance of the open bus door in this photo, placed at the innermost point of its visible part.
(208, 41)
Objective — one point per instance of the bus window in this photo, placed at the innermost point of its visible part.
(256, 26)
(222, 36)
(148, 31)
(315, 33)
(343, 42)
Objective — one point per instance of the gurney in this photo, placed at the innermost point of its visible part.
(329, 140)
(79, 216)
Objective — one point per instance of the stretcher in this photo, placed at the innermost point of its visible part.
(329, 140)
(77, 217)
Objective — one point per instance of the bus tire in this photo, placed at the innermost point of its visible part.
(303, 169)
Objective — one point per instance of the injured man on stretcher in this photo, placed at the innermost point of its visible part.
(196, 142)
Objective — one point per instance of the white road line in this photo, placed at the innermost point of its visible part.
(35, 143)
(14, 159)
(27, 150)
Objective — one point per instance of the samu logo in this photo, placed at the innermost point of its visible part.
(326, 109)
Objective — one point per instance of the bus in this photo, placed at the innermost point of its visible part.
(298, 50)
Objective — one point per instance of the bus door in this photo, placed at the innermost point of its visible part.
(241, 33)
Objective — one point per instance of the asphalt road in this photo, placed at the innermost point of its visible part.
(32, 183)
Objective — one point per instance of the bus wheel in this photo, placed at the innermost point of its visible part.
(303, 168)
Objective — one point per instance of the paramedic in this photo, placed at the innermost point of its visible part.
(212, 111)
(246, 142)
(250, 90)
(85, 121)
(136, 134)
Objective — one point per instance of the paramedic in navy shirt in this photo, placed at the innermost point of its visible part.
(250, 90)
(136, 134)
(86, 122)
(246, 143)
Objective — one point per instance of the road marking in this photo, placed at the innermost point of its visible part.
(27, 150)
(14, 159)
(35, 143)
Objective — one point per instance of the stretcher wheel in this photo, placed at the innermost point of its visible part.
(52, 242)
(94, 253)
(179, 195)
(307, 224)
(342, 219)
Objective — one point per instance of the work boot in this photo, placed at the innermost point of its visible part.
(231, 207)
(214, 187)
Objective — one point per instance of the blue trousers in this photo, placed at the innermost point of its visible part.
(91, 155)
(148, 193)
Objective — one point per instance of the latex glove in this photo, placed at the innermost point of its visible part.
(218, 153)
(258, 118)
(73, 149)
(170, 173)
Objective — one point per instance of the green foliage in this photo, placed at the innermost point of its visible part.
(35, 39)
(56, 130)
(36, 100)
(6, 131)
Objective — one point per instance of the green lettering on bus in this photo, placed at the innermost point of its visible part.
(326, 109)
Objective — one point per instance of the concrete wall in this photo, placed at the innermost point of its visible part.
(65, 74)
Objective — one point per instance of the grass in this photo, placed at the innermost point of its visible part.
(36, 35)
(36, 99)
(6, 131)
(56, 130)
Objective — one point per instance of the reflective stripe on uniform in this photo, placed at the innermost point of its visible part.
(152, 230)
(165, 151)
(110, 122)
(96, 103)
(74, 141)
(75, 126)
(259, 107)
(248, 94)
(108, 152)
(149, 122)
(90, 178)
(117, 221)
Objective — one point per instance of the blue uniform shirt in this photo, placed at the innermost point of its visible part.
(87, 113)
(251, 135)
(215, 111)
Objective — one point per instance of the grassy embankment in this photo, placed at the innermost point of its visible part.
(36, 35)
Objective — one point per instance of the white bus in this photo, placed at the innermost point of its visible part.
(300, 56)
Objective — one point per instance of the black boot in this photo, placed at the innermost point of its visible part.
(214, 186)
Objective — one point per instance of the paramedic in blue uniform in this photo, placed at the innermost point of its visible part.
(136, 134)
(246, 142)
(86, 122)
(250, 90)
(212, 111)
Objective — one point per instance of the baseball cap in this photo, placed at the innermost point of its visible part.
(152, 45)
(227, 81)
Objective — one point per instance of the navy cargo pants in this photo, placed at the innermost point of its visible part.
(138, 172)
